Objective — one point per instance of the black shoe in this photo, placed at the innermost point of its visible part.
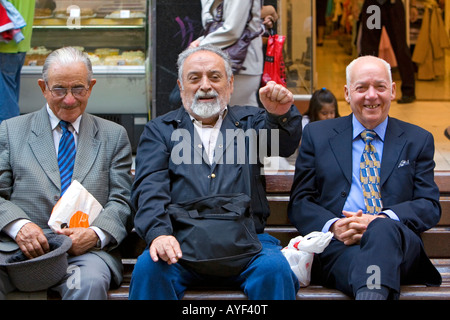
(447, 133)
(406, 99)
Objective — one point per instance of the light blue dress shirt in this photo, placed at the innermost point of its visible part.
(355, 199)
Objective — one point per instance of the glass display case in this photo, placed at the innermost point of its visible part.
(115, 35)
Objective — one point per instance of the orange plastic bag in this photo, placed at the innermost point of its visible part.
(274, 69)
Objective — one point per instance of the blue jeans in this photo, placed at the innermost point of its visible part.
(10, 67)
(267, 277)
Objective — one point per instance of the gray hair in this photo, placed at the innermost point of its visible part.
(348, 70)
(65, 56)
(208, 47)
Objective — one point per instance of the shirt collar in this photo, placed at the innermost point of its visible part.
(358, 128)
(54, 120)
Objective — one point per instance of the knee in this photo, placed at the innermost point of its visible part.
(384, 230)
(271, 266)
(86, 283)
(146, 269)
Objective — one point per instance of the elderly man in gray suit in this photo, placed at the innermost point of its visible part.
(30, 182)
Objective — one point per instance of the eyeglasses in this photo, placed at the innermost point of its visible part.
(77, 92)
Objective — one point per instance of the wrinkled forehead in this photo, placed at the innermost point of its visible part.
(205, 61)
(369, 69)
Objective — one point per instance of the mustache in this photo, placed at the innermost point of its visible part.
(212, 94)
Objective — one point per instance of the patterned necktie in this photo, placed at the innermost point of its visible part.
(370, 174)
(66, 156)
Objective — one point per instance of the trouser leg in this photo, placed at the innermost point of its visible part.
(88, 278)
(269, 276)
(157, 280)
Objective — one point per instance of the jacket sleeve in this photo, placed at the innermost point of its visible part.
(411, 192)
(305, 210)
(285, 132)
(235, 15)
(116, 216)
(8, 210)
(151, 188)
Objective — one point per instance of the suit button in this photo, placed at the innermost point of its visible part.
(56, 198)
(343, 194)
(213, 175)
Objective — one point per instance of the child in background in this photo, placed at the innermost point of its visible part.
(323, 105)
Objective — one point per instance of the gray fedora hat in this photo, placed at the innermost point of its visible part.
(41, 272)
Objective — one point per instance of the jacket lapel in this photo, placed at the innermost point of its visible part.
(41, 143)
(341, 146)
(87, 148)
(394, 143)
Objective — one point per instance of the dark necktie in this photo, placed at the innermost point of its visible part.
(370, 174)
(66, 156)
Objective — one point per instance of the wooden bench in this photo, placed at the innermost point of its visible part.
(436, 241)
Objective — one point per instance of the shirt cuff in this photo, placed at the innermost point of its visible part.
(327, 225)
(104, 237)
(390, 214)
(13, 228)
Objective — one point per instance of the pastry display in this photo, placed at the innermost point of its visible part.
(125, 14)
(93, 16)
(36, 56)
(127, 58)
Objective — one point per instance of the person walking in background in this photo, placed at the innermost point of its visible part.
(393, 18)
(235, 15)
(12, 58)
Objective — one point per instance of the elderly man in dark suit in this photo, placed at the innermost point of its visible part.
(31, 184)
(376, 212)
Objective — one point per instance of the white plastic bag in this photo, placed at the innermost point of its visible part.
(300, 253)
(76, 208)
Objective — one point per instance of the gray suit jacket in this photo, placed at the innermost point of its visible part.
(30, 183)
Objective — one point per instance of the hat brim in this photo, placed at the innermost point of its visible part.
(59, 244)
(41, 272)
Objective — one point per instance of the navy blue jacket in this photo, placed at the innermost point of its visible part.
(323, 175)
(170, 167)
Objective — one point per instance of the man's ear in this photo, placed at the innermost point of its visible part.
(41, 84)
(346, 94)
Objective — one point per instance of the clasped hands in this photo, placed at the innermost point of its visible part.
(352, 226)
(33, 242)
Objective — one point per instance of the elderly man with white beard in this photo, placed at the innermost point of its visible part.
(206, 83)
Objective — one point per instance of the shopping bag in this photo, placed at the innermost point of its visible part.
(76, 208)
(274, 69)
(300, 253)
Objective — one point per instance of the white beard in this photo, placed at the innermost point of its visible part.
(206, 110)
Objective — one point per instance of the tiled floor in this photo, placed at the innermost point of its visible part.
(431, 110)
